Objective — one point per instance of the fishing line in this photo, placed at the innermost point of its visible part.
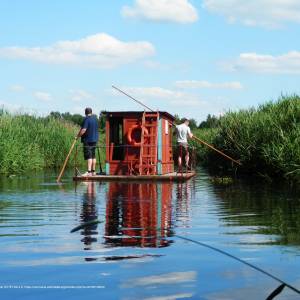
(226, 254)
(240, 260)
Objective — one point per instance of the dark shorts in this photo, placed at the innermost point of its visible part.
(183, 149)
(89, 150)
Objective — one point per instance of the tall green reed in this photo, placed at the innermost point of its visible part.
(32, 143)
(266, 139)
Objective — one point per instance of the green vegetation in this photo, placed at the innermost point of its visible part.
(32, 143)
(222, 180)
(210, 122)
(266, 140)
(179, 120)
(76, 118)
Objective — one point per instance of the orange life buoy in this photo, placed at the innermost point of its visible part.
(129, 137)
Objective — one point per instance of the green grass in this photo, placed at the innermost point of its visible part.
(208, 135)
(266, 140)
(33, 143)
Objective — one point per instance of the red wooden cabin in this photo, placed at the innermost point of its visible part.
(139, 143)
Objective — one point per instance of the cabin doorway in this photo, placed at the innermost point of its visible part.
(116, 138)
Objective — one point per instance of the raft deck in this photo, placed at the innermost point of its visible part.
(174, 176)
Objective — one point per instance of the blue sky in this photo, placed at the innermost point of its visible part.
(186, 57)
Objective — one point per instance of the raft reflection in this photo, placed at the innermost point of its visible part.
(138, 214)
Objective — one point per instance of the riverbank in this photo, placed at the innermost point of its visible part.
(265, 139)
(33, 143)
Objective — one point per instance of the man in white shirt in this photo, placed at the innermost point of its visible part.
(183, 133)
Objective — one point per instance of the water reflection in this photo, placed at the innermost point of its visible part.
(273, 214)
(89, 213)
(138, 214)
(183, 196)
(36, 218)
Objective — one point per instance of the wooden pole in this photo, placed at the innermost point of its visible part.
(220, 152)
(66, 161)
(197, 139)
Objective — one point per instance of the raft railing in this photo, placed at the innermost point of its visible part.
(102, 149)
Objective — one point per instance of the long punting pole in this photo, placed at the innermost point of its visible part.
(194, 137)
(66, 161)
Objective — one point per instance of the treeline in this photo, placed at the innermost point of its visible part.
(265, 139)
(77, 119)
(210, 122)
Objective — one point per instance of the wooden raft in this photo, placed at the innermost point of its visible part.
(174, 176)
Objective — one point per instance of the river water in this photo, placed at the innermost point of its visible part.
(138, 250)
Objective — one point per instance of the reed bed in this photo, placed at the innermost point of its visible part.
(33, 143)
(265, 139)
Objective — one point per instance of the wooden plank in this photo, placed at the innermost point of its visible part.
(166, 177)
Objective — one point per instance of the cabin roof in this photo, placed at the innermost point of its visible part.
(124, 113)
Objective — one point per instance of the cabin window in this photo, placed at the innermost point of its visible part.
(166, 127)
(116, 139)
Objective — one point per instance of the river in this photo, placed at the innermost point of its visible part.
(138, 250)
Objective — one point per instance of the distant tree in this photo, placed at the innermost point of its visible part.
(76, 118)
(179, 120)
(193, 123)
(211, 122)
(55, 114)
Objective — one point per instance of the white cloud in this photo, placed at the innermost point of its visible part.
(99, 51)
(17, 88)
(194, 84)
(171, 297)
(172, 97)
(190, 104)
(288, 63)
(180, 11)
(45, 97)
(264, 13)
(79, 95)
(167, 278)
